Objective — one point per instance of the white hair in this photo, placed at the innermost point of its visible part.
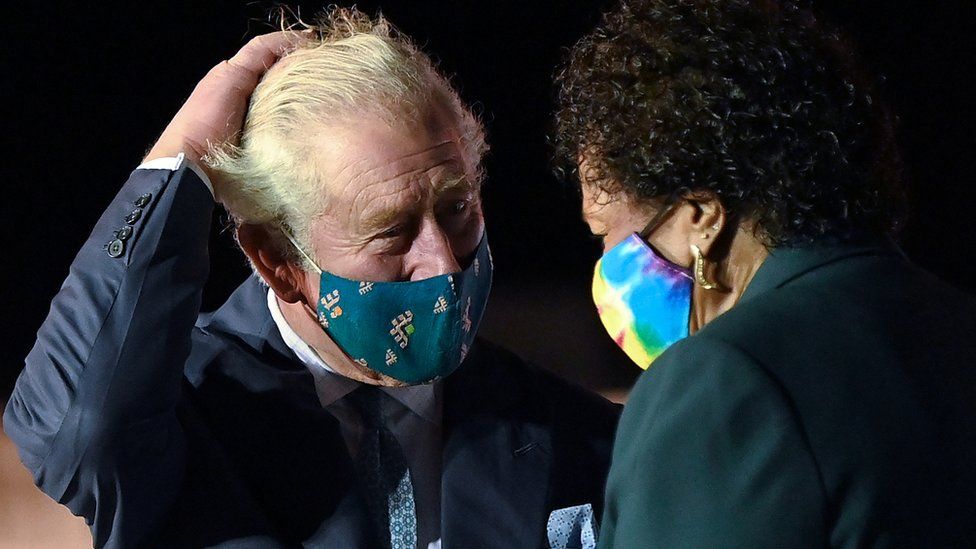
(353, 66)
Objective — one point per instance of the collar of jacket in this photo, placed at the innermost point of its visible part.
(786, 264)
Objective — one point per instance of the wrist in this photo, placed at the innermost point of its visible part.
(164, 149)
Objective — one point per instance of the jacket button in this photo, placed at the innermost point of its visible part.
(124, 233)
(143, 200)
(133, 216)
(116, 248)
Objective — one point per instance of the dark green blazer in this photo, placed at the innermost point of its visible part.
(834, 405)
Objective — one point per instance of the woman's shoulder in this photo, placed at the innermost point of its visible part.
(701, 363)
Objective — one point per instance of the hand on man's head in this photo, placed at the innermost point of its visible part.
(214, 112)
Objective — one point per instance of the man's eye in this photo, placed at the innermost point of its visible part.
(392, 232)
(459, 206)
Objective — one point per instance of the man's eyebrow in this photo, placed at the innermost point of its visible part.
(380, 220)
(387, 217)
(459, 182)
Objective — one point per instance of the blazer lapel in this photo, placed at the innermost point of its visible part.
(348, 526)
(497, 454)
(326, 505)
(497, 443)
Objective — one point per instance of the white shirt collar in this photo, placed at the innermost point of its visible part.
(302, 350)
(423, 400)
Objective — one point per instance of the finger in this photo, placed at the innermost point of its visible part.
(262, 51)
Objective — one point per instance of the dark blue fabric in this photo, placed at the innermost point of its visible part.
(383, 473)
(165, 429)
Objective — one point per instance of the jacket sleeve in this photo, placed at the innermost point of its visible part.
(710, 453)
(93, 412)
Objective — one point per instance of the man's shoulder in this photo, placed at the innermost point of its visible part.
(503, 376)
(239, 342)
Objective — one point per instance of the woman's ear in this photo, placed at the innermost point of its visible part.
(285, 277)
(708, 220)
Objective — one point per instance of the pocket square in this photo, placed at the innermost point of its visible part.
(572, 528)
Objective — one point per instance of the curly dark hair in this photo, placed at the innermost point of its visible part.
(759, 102)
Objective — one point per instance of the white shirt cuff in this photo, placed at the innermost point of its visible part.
(173, 163)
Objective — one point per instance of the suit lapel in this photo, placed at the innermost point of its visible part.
(305, 458)
(497, 455)
(497, 442)
(348, 526)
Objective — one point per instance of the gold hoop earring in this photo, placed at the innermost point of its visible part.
(700, 269)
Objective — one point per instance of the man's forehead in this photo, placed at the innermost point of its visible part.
(373, 165)
(380, 206)
(374, 152)
(401, 184)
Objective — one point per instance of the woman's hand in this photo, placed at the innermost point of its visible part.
(214, 112)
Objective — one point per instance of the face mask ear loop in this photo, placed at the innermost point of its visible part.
(294, 243)
(291, 238)
(658, 219)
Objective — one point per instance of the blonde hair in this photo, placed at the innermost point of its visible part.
(351, 66)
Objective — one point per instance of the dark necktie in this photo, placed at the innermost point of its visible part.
(385, 475)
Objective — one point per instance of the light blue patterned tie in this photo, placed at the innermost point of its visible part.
(384, 471)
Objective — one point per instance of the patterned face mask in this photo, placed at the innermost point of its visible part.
(643, 300)
(414, 331)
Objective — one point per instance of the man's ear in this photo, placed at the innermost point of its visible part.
(285, 277)
(708, 220)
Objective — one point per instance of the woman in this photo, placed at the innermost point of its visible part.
(808, 386)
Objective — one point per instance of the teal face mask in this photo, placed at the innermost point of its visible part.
(414, 331)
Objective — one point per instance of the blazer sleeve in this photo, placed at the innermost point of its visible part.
(93, 412)
(709, 453)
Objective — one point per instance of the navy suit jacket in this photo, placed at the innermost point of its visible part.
(164, 427)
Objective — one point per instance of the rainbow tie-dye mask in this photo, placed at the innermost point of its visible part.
(643, 299)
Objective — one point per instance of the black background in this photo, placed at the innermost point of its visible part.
(88, 86)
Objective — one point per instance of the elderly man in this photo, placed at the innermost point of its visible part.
(344, 402)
